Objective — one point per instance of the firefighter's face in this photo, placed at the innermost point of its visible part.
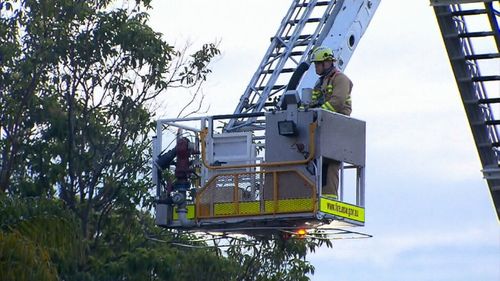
(322, 66)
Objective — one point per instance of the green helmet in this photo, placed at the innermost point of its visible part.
(322, 54)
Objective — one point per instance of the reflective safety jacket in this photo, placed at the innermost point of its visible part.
(333, 92)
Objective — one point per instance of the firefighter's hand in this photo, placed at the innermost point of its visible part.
(314, 104)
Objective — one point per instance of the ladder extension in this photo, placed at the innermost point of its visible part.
(307, 23)
(462, 37)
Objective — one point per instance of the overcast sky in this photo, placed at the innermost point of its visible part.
(427, 205)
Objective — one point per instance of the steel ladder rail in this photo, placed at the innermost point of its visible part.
(452, 20)
(288, 43)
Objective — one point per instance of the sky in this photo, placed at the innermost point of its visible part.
(427, 206)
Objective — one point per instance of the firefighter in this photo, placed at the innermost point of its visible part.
(331, 92)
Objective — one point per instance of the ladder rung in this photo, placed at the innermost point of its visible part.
(302, 43)
(294, 53)
(284, 70)
(288, 37)
(488, 144)
(486, 78)
(489, 101)
(307, 21)
(492, 122)
(320, 3)
(476, 34)
(482, 56)
(275, 87)
(469, 12)
(479, 79)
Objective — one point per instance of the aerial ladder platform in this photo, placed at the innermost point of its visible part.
(259, 169)
(470, 31)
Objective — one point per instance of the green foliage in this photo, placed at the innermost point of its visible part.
(274, 257)
(78, 83)
(78, 79)
(39, 240)
(23, 260)
(158, 262)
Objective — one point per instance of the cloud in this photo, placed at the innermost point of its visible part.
(386, 250)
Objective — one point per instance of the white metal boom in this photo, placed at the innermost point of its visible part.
(338, 24)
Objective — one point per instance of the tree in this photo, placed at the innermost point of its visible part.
(274, 257)
(39, 240)
(78, 79)
(143, 257)
(78, 83)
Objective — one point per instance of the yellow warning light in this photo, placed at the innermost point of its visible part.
(301, 232)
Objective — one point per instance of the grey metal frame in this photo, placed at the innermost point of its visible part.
(352, 152)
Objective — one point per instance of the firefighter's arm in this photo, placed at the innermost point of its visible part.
(316, 93)
(338, 91)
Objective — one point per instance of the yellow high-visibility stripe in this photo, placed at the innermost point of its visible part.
(245, 208)
(342, 209)
(253, 207)
(189, 215)
(329, 89)
(316, 94)
(348, 101)
(328, 106)
(290, 205)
